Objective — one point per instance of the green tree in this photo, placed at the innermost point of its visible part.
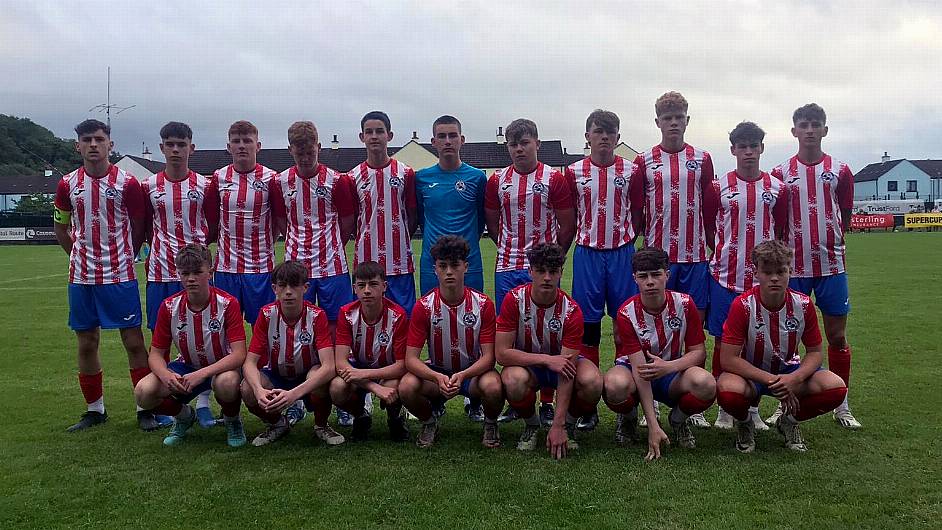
(35, 204)
(27, 148)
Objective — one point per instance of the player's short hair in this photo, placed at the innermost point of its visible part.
(605, 119)
(90, 126)
(670, 101)
(376, 115)
(650, 259)
(772, 252)
(546, 256)
(176, 129)
(368, 270)
(450, 248)
(446, 120)
(519, 128)
(302, 134)
(810, 112)
(192, 258)
(291, 273)
(746, 133)
(243, 127)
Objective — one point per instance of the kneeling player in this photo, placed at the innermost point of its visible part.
(539, 334)
(291, 341)
(457, 322)
(760, 353)
(205, 324)
(371, 350)
(662, 337)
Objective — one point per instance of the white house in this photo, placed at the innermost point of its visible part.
(899, 180)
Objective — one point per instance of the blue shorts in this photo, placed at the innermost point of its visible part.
(831, 293)
(546, 378)
(181, 368)
(282, 383)
(156, 293)
(465, 385)
(428, 281)
(763, 390)
(108, 306)
(505, 281)
(330, 294)
(693, 279)
(400, 288)
(602, 278)
(721, 299)
(253, 291)
(660, 387)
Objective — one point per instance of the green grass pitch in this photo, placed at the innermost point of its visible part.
(886, 475)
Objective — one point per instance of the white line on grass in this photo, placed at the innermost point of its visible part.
(17, 280)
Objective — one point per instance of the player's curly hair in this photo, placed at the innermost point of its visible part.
(605, 119)
(243, 127)
(670, 101)
(650, 259)
(192, 258)
(450, 248)
(176, 129)
(746, 132)
(368, 270)
(519, 128)
(302, 134)
(810, 112)
(90, 126)
(546, 256)
(773, 253)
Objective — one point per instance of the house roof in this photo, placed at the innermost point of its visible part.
(933, 168)
(872, 172)
(154, 166)
(28, 184)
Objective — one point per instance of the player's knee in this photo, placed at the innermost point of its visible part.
(409, 386)
(729, 382)
(702, 383)
(338, 389)
(827, 380)
(490, 385)
(227, 385)
(515, 380)
(589, 378)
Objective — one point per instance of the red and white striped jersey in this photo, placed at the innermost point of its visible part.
(179, 213)
(816, 195)
(313, 208)
(384, 195)
(770, 338)
(245, 231)
(666, 334)
(290, 350)
(748, 214)
(674, 185)
(202, 337)
(605, 198)
(541, 329)
(527, 205)
(103, 210)
(375, 345)
(454, 333)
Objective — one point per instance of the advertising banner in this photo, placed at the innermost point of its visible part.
(922, 220)
(12, 234)
(858, 222)
(40, 233)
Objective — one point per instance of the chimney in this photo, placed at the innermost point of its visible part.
(500, 135)
(885, 158)
(146, 152)
(585, 150)
(334, 144)
(415, 136)
(47, 173)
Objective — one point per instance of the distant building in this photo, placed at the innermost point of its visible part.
(15, 187)
(900, 180)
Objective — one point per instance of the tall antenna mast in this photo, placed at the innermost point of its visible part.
(107, 106)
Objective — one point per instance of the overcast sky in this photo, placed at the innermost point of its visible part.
(876, 70)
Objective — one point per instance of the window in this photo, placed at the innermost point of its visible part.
(891, 185)
(911, 186)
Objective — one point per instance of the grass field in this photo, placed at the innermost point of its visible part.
(884, 476)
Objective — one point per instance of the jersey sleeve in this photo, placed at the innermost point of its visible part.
(694, 334)
(780, 210)
(845, 188)
(812, 335)
(734, 329)
(409, 192)
(211, 202)
(277, 199)
(322, 336)
(560, 193)
(62, 200)
(133, 199)
(161, 339)
(344, 330)
(626, 332)
(711, 205)
(343, 196)
(569, 177)
(400, 337)
(509, 314)
(418, 327)
(488, 323)
(636, 190)
(491, 202)
(572, 330)
(235, 326)
(259, 344)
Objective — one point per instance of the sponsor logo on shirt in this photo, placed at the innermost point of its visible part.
(791, 323)
(539, 188)
(322, 192)
(469, 320)
(693, 165)
(674, 323)
(459, 185)
(395, 182)
(258, 185)
(555, 325)
(194, 195)
(827, 177)
(383, 338)
(111, 193)
(620, 181)
(767, 197)
(305, 338)
(215, 325)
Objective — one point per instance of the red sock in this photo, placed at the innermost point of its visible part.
(137, 374)
(814, 405)
(321, 406)
(590, 352)
(580, 408)
(91, 386)
(717, 367)
(625, 407)
(546, 395)
(839, 362)
(524, 407)
(735, 404)
(169, 407)
(690, 404)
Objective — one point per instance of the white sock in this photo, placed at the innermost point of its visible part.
(202, 400)
(754, 410)
(139, 408)
(843, 405)
(467, 401)
(98, 405)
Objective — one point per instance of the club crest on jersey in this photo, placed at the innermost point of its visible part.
(322, 192)
(258, 185)
(554, 325)
(305, 338)
(791, 323)
(395, 182)
(620, 181)
(539, 188)
(674, 322)
(693, 165)
(828, 176)
(460, 185)
(194, 195)
(111, 193)
(767, 197)
(469, 320)
(383, 338)
(215, 325)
